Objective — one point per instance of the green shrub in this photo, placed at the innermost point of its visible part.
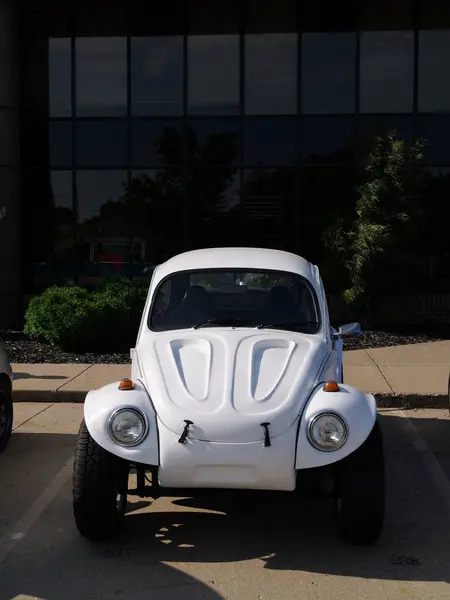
(103, 320)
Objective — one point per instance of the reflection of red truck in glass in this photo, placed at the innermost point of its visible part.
(94, 260)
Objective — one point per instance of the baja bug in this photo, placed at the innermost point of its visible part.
(237, 385)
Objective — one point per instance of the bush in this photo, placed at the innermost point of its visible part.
(103, 320)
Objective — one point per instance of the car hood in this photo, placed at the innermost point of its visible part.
(229, 382)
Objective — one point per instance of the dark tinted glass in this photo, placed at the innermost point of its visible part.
(271, 73)
(269, 207)
(386, 71)
(101, 77)
(239, 298)
(436, 131)
(386, 14)
(270, 141)
(59, 74)
(157, 213)
(213, 141)
(371, 125)
(213, 74)
(328, 73)
(156, 142)
(157, 76)
(434, 66)
(327, 139)
(100, 203)
(101, 144)
(60, 144)
(260, 16)
(214, 207)
(57, 267)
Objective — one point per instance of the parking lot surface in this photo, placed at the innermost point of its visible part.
(185, 549)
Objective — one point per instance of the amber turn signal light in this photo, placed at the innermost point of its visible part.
(126, 384)
(331, 386)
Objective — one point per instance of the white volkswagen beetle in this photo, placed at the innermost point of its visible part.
(236, 384)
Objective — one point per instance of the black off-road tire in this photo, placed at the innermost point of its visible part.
(360, 491)
(100, 486)
(6, 414)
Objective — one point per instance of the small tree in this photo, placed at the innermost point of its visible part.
(386, 213)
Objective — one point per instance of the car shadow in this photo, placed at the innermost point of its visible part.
(23, 375)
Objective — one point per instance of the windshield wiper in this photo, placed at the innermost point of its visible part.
(225, 322)
(287, 325)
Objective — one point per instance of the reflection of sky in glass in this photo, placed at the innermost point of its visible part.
(101, 71)
(157, 75)
(94, 188)
(271, 73)
(61, 182)
(328, 70)
(386, 71)
(434, 67)
(213, 74)
(59, 73)
(101, 143)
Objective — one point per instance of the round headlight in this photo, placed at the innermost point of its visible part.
(327, 432)
(127, 427)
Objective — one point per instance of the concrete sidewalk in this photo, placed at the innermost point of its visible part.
(400, 376)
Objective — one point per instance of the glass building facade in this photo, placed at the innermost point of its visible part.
(149, 128)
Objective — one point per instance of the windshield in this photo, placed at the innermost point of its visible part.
(236, 298)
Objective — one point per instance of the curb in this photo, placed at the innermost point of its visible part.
(399, 401)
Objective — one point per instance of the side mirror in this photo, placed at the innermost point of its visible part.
(349, 330)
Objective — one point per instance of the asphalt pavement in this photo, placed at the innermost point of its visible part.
(185, 550)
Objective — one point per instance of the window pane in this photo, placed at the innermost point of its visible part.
(269, 207)
(214, 209)
(387, 71)
(436, 131)
(374, 125)
(386, 14)
(59, 73)
(434, 14)
(101, 144)
(157, 76)
(60, 144)
(434, 66)
(329, 15)
(101, 77)
(271, 73)
(261, 18)
(156, 142)
(270, 142)
(213, 74)
(327, 139)
(57, 266)
(325, 193)
(213, 16)
(155, 204)
(328, 73)
(213, 141)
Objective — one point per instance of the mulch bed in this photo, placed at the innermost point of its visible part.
(22, 350)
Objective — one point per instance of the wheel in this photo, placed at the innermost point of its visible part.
(360, 491)
(100, 486)
(6, 415)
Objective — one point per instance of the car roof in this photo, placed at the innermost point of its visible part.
(238, 258)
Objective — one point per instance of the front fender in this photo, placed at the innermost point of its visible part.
(100, 404)
(357, 408)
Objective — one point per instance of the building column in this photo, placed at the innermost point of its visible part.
(11, 301)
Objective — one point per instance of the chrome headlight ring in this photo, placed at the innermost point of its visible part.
(143, 422)
(340, 421)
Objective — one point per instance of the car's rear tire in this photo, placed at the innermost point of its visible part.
(360, 491)
(6, 414)
(100, 486)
